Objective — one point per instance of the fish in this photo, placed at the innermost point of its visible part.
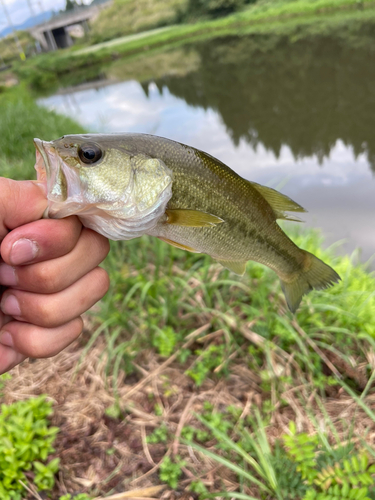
(127, 185)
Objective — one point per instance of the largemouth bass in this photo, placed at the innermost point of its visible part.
(127, 185)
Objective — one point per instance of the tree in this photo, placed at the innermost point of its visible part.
(70, 5)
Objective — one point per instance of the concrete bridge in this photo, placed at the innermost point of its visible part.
(59, 31)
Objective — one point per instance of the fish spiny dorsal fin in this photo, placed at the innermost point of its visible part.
(191, 218)
(279, 202)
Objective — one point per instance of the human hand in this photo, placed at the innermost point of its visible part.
(49, 269)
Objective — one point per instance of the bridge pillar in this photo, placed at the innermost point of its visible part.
(50, 39)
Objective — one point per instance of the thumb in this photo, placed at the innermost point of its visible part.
(20, 202)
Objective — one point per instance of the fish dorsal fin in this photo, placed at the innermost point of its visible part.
(280, 203)
(191, 218)
(178, 245)
(238, 267)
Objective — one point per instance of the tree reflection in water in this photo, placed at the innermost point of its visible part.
(305, 95)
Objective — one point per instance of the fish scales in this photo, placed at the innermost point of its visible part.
(198, 181)
(126, 185)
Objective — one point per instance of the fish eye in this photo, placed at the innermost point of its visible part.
(89, 153)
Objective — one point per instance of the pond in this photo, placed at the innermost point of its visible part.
(299, 117)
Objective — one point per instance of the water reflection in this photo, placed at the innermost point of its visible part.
(301, 113)
(305, 95)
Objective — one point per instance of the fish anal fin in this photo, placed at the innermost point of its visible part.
(191, 218)
(238, 267)
(280, 203)
(178, 245)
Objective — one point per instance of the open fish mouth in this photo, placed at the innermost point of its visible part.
(62, 185)
(50, 172)
(41, 164)
(46, 162)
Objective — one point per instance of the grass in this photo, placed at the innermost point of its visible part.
(211, 367)
(9, 49)
(21, 121)
(159, 291)
(124, 17)
(108, 26)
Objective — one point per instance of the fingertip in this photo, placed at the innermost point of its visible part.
(23, 251)
(9, 358)
(40, 240)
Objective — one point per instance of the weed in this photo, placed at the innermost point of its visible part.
(300, 466)
(164, 340)
(3, 379)
(343, 476)
(25, 442)
(170, 472)
(208, 360)
(197, 487)
(160, 435)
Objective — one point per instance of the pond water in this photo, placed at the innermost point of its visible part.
(296, 116)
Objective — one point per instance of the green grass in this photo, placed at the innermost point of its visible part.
(124, 17)
(22, 120)
(109, 26)
(297, 466)
(160, 294)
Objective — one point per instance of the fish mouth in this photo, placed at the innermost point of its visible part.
(42, 166)
(49, 168)
(47, 163)
(60, 181)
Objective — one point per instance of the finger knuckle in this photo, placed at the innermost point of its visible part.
(44, 281)
(45, 314)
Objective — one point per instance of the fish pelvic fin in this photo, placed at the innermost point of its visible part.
(238, 267)
(280, 203)
(191, 218)
(315, 275)
(178, 245)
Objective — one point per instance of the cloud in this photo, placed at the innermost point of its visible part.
(19, 10)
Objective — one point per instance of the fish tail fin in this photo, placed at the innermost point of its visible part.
(315, 274)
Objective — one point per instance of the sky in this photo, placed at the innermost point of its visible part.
(19, 10)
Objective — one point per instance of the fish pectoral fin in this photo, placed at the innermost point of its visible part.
(279, 202)
(178, 245)
(191, 218)
(238, 267)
